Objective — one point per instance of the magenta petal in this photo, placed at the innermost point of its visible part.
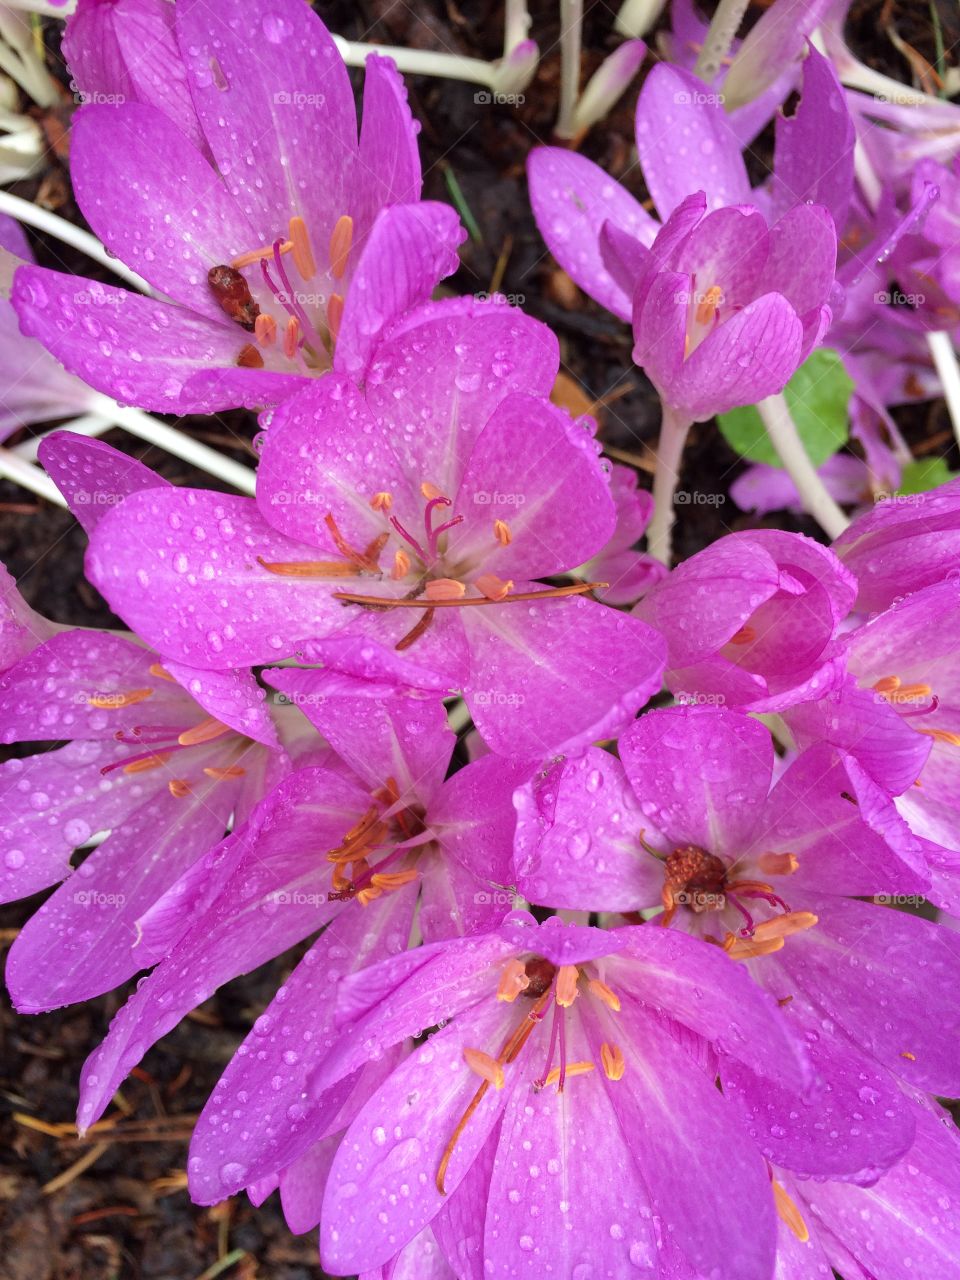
(801, 263)
(381, 731)
(389, 163)
(814, 146)
(398, 1139)
(585, 1206)
(83, 940)
(311, 467)
(139, 350)
(714, 996)
(175, 221)
(917, 1038)
(410, 249)
(127, 52)
(572, 198)
(269, 1076)
(67, 804)
(716, 805)
(279, 85)
(276, 876)
(92, 476)
(474, 816)
(848, 1094)
(520, 700)
(660, 307)
(577, 844)
(303, 1182)
(451, 364)
(685, 143)
(232, 697)
(710, 1187)
(21, 628)
(77, 685)
(196, 590)
(746, 358)
(538, 470)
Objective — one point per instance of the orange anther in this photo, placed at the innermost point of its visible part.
(484, 1066)
(302, 252)
(341, 241)
(113, 701)
(265, 329)
(205, 731)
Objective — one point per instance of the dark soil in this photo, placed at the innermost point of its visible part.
(126, 1214)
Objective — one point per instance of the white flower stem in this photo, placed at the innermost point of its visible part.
(785, 439)
(948, 371)
(721, 34)
(571, 25)
(146, 427)
(516, 25)
(91, 424)
(422, 62)
(54, 225)
(673, 436)
(636, 17)
(24, 473)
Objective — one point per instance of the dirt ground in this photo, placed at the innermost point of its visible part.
(115, 1206)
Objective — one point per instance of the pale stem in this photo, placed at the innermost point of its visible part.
(571, 23)
(44, 220)
(18, 58)
(422, 62)
(516, 25)
(948, 371)
(148, 428)
(636, 17)
(29, 476)
(721, 34)
(673, 436)
(790, 449)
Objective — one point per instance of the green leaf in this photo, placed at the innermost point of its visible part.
(923, 474)
(818, 396)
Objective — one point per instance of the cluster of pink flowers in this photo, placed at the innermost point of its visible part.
(627, 988)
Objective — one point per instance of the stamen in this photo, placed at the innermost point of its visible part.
(381, 501)
(415, 632)
(430, 491)
(334, 315)
(501, 531)
(206, 731)
(707, 308)
(359, 558)
(943, 735)
(302, 252)
(308, 568)
(341, 241)
(788, 1213)
(445, 589)
(392, 879)
(179, 787)
(750, 948)
(260, 255)
(567, 991)
(612, 1060)
(143, 764)
(604, 993)
(905, 1053)
(571, 1069)
(404, 533)
(493, 588)
(891, 689)
(778, 864)
(265, 330)
(161, 673)
(113, 701)
(513, 980)
(401, 565)
(785, 925)
(483, 1065)
(552, 593)
(249, 357)
(220, 775)
(291, 337)
(746, 635)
